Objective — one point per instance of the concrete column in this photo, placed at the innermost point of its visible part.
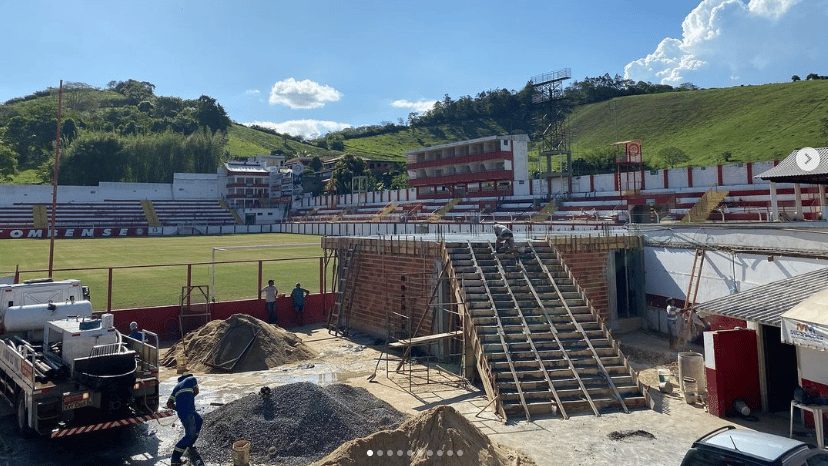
(760, 348)
(798, 196)
(774, 203)
(822, 202)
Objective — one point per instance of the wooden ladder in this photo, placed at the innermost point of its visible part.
(345, 282)
(690, 297)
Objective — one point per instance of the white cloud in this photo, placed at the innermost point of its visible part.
(252, 92)
(302, 94)
(727, 42)
(420, 106)
(310, 129)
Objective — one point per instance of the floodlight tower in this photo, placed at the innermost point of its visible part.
(548, 104)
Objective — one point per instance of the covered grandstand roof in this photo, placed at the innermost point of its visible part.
(806, 165)
(244, 167)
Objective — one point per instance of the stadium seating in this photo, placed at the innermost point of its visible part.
(192, 212)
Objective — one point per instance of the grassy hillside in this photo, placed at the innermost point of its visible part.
(247, 142)
(392, 146)
(751, 122)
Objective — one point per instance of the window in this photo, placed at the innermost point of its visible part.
(820, 459)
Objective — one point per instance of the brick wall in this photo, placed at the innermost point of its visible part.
(395, 279)
(588, 258)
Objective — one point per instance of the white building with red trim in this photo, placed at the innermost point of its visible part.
(492, 166)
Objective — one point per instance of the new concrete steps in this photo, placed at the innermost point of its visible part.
(540, 339)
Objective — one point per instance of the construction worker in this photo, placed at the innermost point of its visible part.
(271, 292)
(182, 400)
(672, 323)
(504, 237)
(298, 295)
(134, 333)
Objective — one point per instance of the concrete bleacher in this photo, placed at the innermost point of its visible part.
(192, 212)
(84, 214)
(743, 203)
(16, 216)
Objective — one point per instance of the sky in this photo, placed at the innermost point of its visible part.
(308, 67)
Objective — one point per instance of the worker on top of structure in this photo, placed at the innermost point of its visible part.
(182, 400)
(504, 238)
(134, 332)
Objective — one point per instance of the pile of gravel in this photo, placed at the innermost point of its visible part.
(297, 424)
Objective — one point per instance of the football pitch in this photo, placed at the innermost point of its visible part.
(151, 271)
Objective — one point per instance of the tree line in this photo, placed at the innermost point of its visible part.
(511, 109)
(112, 134)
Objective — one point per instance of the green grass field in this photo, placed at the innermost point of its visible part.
(158, 265)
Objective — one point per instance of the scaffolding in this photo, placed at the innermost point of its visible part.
(423, 350)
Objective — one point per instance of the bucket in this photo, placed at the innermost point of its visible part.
(241, 453)
(664, 380)
(180, 364)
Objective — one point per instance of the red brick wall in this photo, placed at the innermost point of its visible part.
(588, 258)
(391, 285)
(379, 298)
(590, 270)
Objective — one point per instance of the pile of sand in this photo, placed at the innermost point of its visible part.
(438, 437)
(261, 346)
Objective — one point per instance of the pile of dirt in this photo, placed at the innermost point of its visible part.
(438, 437)
(241, 343)
(294, 424)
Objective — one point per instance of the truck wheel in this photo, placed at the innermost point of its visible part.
(22, 417)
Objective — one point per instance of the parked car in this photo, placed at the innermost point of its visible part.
(729, 446)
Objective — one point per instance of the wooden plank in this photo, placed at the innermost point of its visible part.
(425, 339)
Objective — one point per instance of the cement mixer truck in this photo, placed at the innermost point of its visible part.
(66, 371)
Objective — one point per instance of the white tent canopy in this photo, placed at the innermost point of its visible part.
(806, 324)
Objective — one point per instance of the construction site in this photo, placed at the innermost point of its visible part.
(428, 343)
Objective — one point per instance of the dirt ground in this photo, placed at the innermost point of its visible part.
(657, 436)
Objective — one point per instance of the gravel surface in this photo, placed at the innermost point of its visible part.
(297, 424)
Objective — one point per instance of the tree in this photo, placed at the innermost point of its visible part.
(672, 156)
(92, 158)
(795, 78)
(316, 163)
(134, 91)
(344, 171)
(211, 114)
(8, 162)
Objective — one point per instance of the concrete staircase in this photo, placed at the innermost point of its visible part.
(541, 347)
(700, 212)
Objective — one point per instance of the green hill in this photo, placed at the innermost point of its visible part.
(747, 123)
(393, 145)
(752, 123)
(248, 142)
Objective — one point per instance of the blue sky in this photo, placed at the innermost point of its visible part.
(307, 67)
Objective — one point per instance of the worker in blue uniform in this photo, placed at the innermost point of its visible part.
(182, 400)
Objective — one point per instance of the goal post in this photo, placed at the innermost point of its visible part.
(280, 254)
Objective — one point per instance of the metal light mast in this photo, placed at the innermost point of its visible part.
(547, 101)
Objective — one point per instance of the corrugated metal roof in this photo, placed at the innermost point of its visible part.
(789, 171)
(767, 303)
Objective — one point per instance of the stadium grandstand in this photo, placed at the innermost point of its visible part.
(455, 186)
